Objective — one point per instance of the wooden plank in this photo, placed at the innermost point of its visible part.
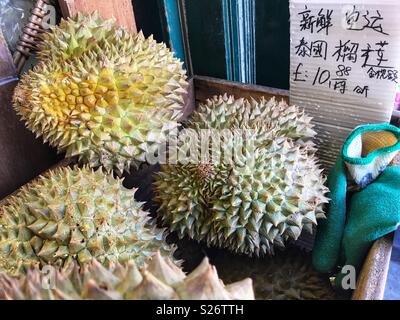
(121, 10)
(22, 155)
(372, 279)
(206, 87)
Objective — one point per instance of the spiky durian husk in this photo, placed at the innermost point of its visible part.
(226, 112)
(161, 279)
(288, 275)
(246, 206)
(76, 214)
(111, 103)
(72, 37)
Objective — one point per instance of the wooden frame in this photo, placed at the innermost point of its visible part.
(371, 282)
(373, 276)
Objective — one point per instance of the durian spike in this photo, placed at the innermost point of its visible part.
(165, 270)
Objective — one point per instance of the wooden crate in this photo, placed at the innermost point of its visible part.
(371, 282)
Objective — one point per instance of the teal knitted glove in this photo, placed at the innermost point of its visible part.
(330, 231)
(373, 213)
(373, 210)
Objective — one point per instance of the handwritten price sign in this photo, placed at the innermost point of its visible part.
(345, 59)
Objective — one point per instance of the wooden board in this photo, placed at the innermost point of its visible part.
(22, 156)
(206, 87)
(372, 279)
(121, 10)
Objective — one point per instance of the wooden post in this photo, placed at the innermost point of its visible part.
(372, 280)
(121, 10)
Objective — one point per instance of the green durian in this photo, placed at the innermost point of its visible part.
(101, 94)
(271, 192)
(76, 214)
(160, 280)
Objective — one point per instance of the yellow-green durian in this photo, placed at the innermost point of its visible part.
(160, 280)
(266, 196)
(76, 215)
(101, 94)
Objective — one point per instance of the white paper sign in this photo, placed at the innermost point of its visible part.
(344, 69)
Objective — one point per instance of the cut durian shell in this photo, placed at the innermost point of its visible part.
(159, 280)
(76, 215)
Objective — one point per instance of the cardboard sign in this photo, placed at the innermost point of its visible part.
(344, 70)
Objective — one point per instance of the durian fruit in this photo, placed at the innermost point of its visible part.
(266, 196)
(101, 94)
(288, 275)
(76, 214)
(73, 37)
(226, 112)
(161, 279)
